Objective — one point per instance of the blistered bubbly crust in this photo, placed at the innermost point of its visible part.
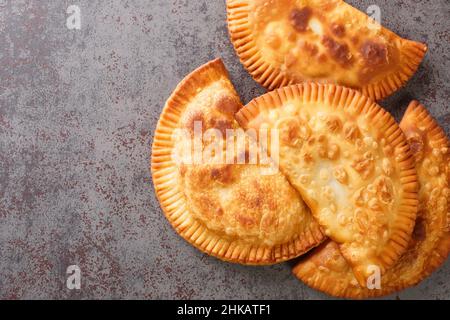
(325, 268)
(230, 211)
(351, 163)
(283, 42)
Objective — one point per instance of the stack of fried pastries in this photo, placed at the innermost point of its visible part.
(363, 200)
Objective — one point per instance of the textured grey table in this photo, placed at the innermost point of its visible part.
(77, 114)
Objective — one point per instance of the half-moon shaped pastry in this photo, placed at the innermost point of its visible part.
(325, 268)
(282, 42)
(351, 163)
(229, 210)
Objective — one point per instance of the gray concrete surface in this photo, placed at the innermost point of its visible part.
(77, 114)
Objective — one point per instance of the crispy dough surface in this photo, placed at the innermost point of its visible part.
(282, 42)
(350, 162)
(325, 268)
(228, 210)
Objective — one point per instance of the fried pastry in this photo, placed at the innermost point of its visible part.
(351, 163)
(325, 268)
(281, 42)
(229, 210)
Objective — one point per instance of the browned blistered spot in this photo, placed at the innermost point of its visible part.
(351, 131)
(219, 212)
(227, 105)
(245, 220)
(340, 174)
(292, 36)
(259, 197)
(322, 150)
(363, 165)
(334, 124)
(328, 5)
(362, 220)
(196, 116)
(222, 174)
(360, 197)
(272, 203)
(322, 138)
(308, 158)
(309, 48)
(384, 190)
(355, 40)
(299, 18)
(208, 205)
(416, 145)
(255, 202)
(253, 199)
(325, 150)
(339, 51)
(374, 54)
(199, 176)
(419, 229)
(333, 151)
(323, 58)
(290, 132)
(222, 125)
(338, 30)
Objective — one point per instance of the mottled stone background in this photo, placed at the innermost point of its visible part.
(77, 114)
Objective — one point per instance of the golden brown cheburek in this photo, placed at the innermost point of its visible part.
(282, 42)
(350, 162)
(325, 268)
(230, 211)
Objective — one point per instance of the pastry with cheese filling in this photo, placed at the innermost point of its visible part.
(325, 268)
(283, 42)
(232, 211)
(351, 163)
